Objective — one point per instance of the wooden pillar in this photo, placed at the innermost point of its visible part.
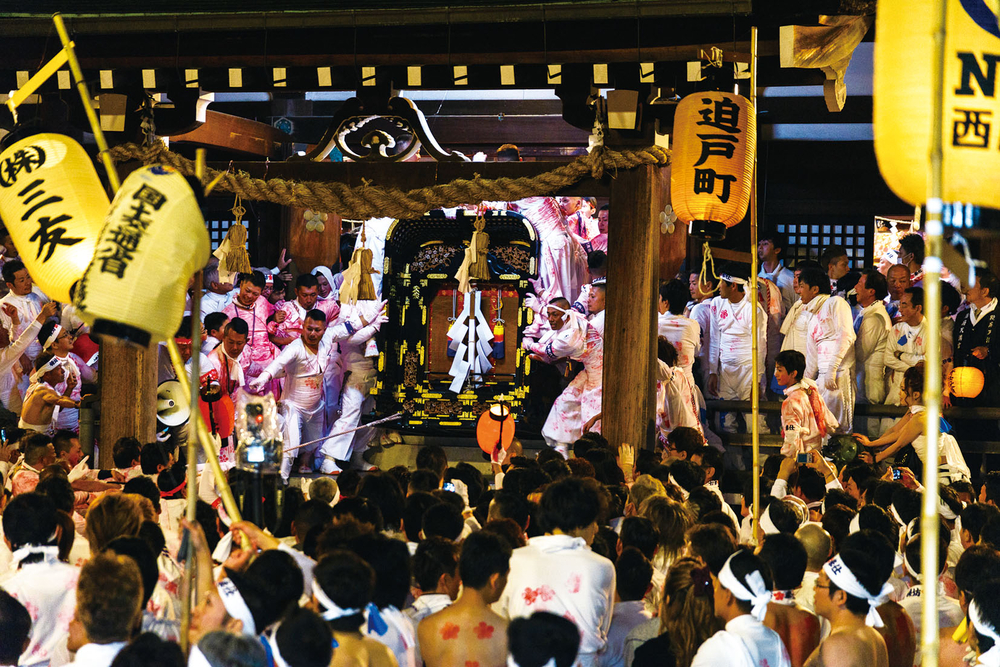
(637, 197)
(128, 396)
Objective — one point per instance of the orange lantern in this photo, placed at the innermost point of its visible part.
(495, 426)
(967, 382)
(715, 141)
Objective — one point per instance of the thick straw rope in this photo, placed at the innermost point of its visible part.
(369, 201)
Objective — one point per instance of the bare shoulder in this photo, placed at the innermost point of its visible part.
(379, 654)
(851, 648)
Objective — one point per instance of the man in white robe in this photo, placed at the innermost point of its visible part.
(732, 374)
(830, 350)
(872, 327)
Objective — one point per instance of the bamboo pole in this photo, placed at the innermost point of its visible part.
(88, 106)
(754, 317)
(929, 522)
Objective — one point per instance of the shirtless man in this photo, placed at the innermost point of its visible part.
(844, 597)
(342, 587)
(468, 632)
(42, 399)
(798, 627)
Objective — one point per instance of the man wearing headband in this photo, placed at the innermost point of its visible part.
(732, 375)
(848, 593)
(949, 611)
(742, 593)
(42, 400)
(59, 341)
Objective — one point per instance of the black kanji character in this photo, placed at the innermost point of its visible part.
(150, 196)
(972, 130)
(48, 235)
(716, 144)
(724, 115)
(704, 181)
(25, 159)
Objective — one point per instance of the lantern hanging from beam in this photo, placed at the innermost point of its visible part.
(153, 241)
(904, 91)
(715, 141)
(54, 205)
(967, 382)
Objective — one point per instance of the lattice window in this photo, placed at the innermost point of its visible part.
(217, 230)
(808, 240)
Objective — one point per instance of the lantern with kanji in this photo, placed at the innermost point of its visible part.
(905, 91)
(715, 141)
(967, 382)
(153, 241)
(53, 205)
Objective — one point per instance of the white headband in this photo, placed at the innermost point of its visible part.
(844, 579)
(945, 511)
(272, 639)
(732, 279)
(49, 365)
(331, 610)
(236, 606)
(992, 657)
(757, 594)
(49, 553)
(564, 311)
(56, 330)
(513, 663)
(197, 659)
(766, 524)
(895, 515)
(855, 524)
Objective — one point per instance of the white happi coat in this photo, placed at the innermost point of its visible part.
(799, 426)
(356, 352)
(47, 589)
(911, 342)
(745, 642)
(830, 353)
(582, 398)
(9, 356)
(562, 267)
(730, 347)
(785, 280)
(702, 314)
(795, 328)
(675, 400)
(561, 575)
(684, 334)
(869, 352)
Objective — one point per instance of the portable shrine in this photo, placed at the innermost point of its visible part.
(448, 355)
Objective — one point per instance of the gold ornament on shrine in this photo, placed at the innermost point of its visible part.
(474, 265)
(153, 241)
(358, 285)
(967, 382)
(904, 91)
(715, 141)
(53, 205)
(232, 252)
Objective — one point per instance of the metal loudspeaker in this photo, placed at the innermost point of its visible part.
(172, 407)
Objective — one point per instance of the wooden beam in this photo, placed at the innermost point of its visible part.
(637, 197)
(128, 397)
(233, 133)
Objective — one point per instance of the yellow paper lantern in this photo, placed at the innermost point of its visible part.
(967, 382)
(715, 141)
(971, 109)
(53, 205)
(153, 241)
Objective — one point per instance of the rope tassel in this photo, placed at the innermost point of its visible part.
(358, 285)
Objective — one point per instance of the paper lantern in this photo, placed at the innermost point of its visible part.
(715, 141)
(967, 382)
(54, 205)
(495, 425)
(153, 241)
(904, 94)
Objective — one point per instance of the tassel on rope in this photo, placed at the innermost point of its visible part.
(232, 252)
(474, 265)
(706, 260)
(358, 285)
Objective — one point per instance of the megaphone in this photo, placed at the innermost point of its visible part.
(172, 407)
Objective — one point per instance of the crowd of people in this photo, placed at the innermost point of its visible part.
(588, 553)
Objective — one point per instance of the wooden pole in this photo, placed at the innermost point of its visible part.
(929, 522)
(755, 316)
(637, 196)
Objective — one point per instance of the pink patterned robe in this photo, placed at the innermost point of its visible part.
(259, 351)
(562, 267)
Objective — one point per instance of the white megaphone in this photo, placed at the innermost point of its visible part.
(172, 407)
